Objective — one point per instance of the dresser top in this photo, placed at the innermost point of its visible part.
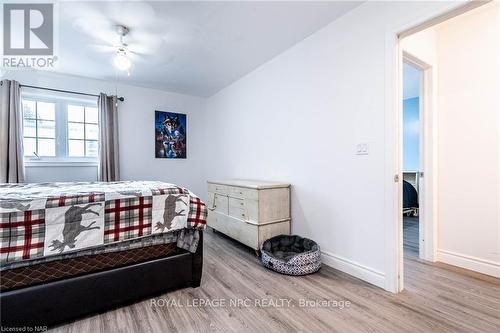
(255, 184)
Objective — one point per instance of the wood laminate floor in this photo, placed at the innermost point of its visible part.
(438, 298)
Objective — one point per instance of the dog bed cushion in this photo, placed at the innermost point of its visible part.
(292, 255)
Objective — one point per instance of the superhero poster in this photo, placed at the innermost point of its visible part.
(170, 135)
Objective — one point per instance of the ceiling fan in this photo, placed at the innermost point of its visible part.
(132, 32)
(124, 53)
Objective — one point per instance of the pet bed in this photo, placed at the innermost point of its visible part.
(292, 255)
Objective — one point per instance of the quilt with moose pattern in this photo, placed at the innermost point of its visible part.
(44, 219)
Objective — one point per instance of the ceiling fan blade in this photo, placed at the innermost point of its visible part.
(140, 57)
(151, 59)
(138, 54)
(97, 28)
(140, 50)
(103, 48)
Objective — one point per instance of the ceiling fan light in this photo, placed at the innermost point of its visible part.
(122, 62)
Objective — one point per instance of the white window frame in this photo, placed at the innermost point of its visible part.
(61, 101)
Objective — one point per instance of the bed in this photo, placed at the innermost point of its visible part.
(73, 249)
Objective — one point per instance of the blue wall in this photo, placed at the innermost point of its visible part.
(411, 130)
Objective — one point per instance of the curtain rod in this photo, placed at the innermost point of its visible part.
(121, 99)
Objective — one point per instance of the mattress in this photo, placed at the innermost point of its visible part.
(186, 239)
(39, 221)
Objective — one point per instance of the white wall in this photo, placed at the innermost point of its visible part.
(299, 117)
(423, 45)
(469, 140)
(52, 172)
(136, 131)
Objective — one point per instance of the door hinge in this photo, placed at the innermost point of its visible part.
(396, 178)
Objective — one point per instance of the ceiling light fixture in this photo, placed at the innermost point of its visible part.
(121, 61)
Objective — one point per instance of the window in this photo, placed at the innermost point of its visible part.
(39, 128)
(60, 129)
(83, 131)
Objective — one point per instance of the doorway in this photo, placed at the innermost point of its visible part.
(439, 44)
(418, 138)
(412, 171)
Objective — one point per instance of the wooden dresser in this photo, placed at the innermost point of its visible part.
(249, 211)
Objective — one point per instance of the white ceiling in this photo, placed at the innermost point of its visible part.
(194, 48)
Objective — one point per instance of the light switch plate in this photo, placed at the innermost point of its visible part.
(362, 149)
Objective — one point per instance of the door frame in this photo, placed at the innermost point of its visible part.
(393, 139)
(428, 162)
(428, 136)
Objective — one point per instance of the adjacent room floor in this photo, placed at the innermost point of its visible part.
(410, 236)
(438, 298)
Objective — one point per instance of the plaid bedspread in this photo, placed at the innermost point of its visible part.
(45, 219)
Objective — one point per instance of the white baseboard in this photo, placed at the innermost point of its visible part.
(352, 268)
(474, 264)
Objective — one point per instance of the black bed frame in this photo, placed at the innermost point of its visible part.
(60, 301)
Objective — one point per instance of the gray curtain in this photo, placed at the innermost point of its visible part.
(11, 133)
(109, 167)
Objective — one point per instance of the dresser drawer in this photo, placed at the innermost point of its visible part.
(234, 191)
(234, 228)
(217, 188)
(243, 193)
(221, 203)
(237, 208)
